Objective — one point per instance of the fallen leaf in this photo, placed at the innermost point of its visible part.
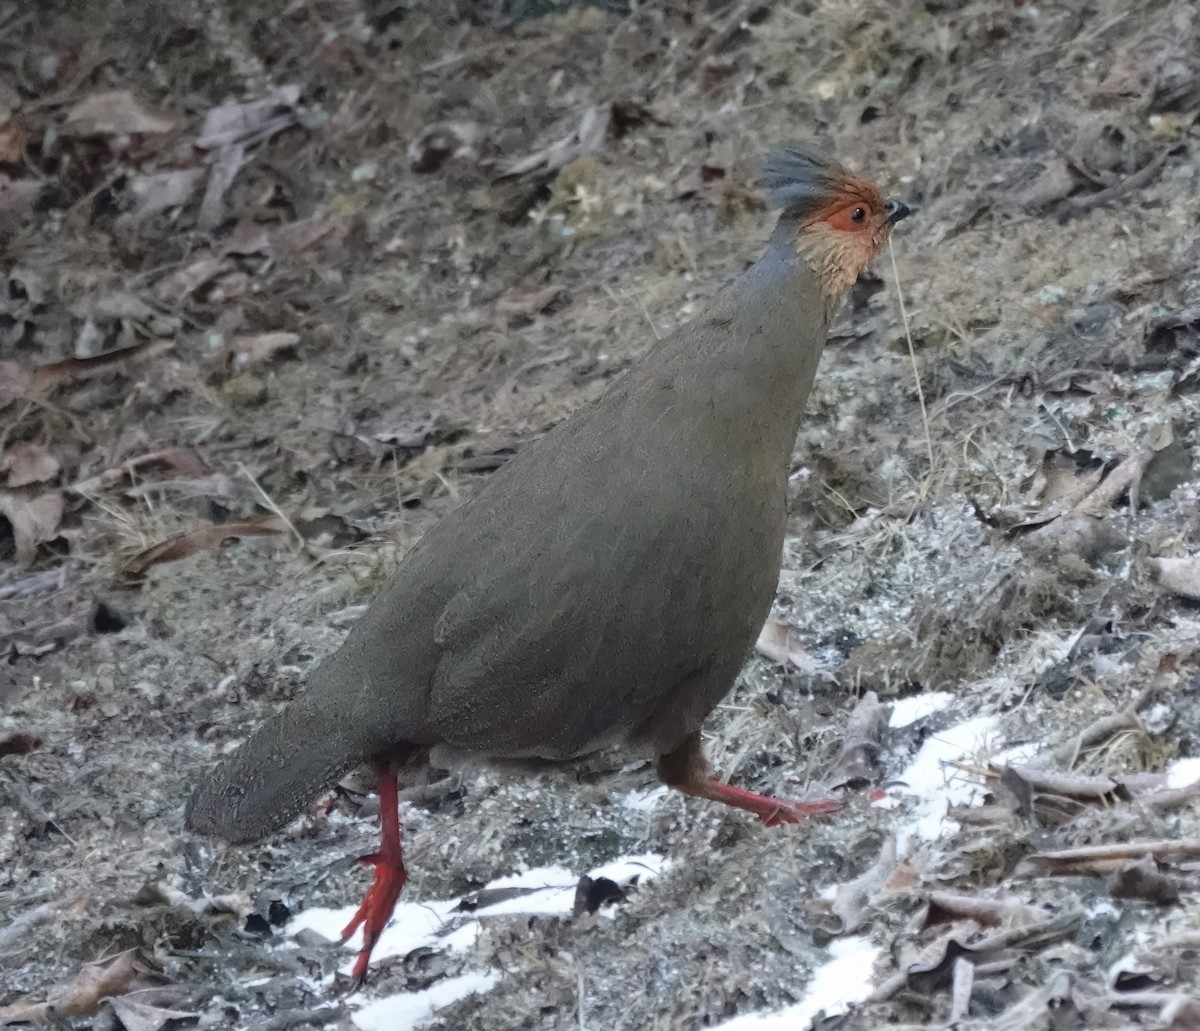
(16, 383)
(18, 743)
(12, 143)
(161, 191)
(322, 236)
(74, 369)
(203, 538)
(780, 643)
(120, 304)
(142, 1016)
(225, 162)
(82, 996)
(1179, 575)
(34, 520)
(249, 122)
(115, 113)
(586, 137)
(186, 281)
(28, 463)
(171, 463)
(530, 303)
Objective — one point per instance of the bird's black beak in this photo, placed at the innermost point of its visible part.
(896, 212)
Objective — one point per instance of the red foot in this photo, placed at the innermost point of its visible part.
(772, 811)
(376, 909)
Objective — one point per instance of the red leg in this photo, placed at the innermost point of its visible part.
(686, 770)
(772, 811)
(390, 875)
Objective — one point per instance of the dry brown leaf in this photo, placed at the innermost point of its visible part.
(16, 383)
(28, 463)
(83, 995)
(169, 464)
(319, 237)
(250, 122)
(75, 369)
(161, 191)
(1103, 859)
(1062, 489)
(186, 281)
(780, 643)
(1179, 575)
(115, 113)
(203, 538)
(855, 899)
(586, 137)
(12, 143)
(857, 764)
(34, 520)
(225, 163)
(143, 1016)
(528, 304)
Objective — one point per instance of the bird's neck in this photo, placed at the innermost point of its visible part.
(762, 361)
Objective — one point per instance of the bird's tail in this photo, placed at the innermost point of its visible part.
(264, 784)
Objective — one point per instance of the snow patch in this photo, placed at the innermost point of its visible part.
(408, 1009)
(936, 785)
(916, 707)
(440, 925)
(1183, 772)
(836, 985)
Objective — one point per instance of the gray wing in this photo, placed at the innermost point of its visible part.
(599, 586)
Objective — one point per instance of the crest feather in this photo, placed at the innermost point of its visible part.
(800, 178)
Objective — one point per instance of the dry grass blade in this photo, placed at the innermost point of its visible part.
(912, 355)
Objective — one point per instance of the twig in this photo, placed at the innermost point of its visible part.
(1101, 730)
(1096, 860)
(15, 931)
(269, 502)
(1185, 848)
(35, 583)
(1135, 182)
(912, 354)
(964, 984)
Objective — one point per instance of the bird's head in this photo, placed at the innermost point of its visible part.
(840, 220)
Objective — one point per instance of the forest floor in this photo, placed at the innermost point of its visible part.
(282, 283)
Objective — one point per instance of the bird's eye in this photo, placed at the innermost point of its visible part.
(858, 214)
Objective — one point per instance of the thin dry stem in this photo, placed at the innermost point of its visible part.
(912, 355)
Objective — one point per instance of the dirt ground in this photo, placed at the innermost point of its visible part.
(284, 282)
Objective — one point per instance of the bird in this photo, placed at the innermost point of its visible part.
(605, 587)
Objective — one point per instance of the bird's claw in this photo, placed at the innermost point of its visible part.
(797, 812)
(376, 910)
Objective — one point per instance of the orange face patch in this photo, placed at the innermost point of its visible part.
(843, 235)
(854, 218)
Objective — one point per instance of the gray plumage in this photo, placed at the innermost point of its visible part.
(604, 588)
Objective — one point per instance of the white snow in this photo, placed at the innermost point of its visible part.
(1183, 772)
(917, 707)
(405, 1011)
(936, 785)
(845, 979)
(435, 924)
